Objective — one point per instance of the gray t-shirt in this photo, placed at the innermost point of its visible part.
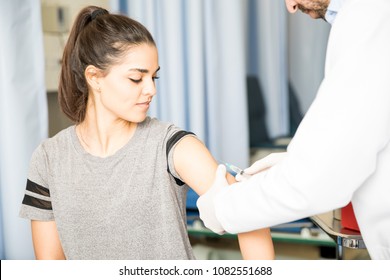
(125, 206)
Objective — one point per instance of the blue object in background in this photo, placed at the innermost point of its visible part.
(192, 197)
(192, 210)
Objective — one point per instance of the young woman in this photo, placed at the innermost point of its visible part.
(113, 186)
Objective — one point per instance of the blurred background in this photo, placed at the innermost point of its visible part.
(239, 73)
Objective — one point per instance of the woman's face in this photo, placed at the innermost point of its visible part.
(314, 8)
(128, 88)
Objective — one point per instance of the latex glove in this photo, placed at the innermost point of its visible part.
(262, 164)
(205, 202)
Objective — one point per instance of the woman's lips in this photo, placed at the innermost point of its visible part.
(144, 104)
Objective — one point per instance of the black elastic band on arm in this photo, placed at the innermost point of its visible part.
(171, 142)
(38, 189)
(37, 202)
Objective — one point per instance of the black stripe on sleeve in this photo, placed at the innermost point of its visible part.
(171, 142)
(38, 189)
(175, 138)
(37, 202)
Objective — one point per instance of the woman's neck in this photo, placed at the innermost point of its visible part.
(102, 137)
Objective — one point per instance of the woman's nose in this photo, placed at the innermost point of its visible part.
(292, 6)
(150, 89)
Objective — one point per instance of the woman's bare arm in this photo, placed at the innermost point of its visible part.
(196, 166)
(47, 245)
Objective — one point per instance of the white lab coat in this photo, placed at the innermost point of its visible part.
(341, 151)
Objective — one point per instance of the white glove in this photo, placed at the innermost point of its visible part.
(262, 164)
(205, 202)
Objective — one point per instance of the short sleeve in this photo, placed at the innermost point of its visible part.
(174, 136)
(36, 204)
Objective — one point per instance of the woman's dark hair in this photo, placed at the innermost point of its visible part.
(97, 38)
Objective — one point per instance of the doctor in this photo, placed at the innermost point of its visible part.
(341, 151)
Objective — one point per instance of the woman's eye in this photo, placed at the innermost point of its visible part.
(135, 80)
(155, 78)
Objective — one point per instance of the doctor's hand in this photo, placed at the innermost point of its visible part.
(205, 202)
(262, 164)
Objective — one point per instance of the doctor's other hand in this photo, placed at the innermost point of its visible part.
(205, 202)
(262, 164)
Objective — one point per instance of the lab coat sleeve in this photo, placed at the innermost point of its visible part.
(336, 146)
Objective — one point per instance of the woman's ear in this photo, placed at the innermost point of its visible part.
(92, 75)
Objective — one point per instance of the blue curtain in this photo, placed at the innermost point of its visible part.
(267, 60)
(2, 250)
(306, 53)
(23, 116)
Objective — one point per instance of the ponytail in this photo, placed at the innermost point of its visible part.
(97, 38)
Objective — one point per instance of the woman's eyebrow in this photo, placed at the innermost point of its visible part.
(143, 70)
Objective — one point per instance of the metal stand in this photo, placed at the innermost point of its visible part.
(343, 237)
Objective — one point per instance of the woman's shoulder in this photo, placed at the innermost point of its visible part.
(164, 130)
(58, 141)
(156, 124)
